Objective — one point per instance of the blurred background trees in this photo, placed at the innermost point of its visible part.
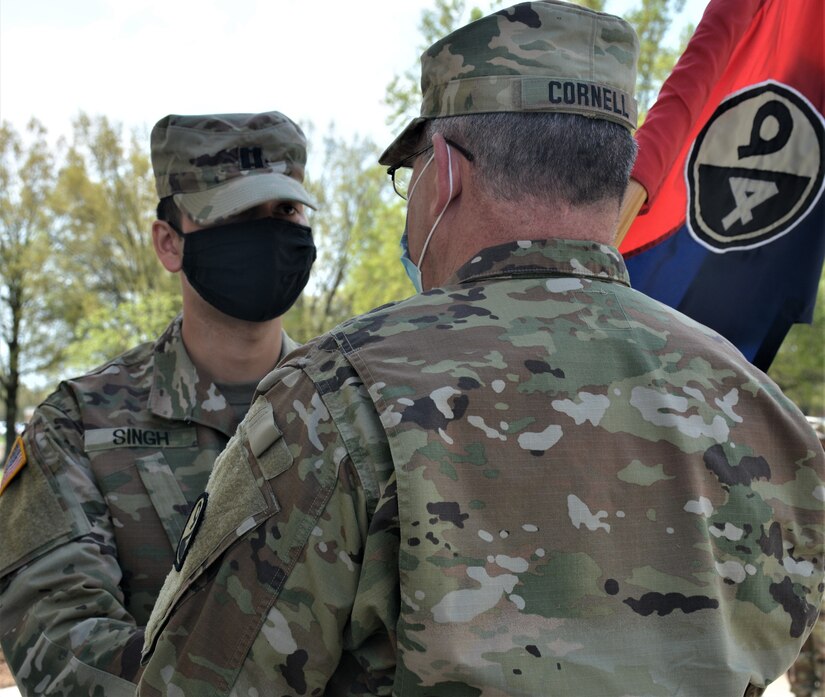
(30, 321)
(80, 283)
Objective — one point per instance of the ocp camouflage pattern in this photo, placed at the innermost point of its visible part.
(532, 481)
(211, 149)
(115, 459)
(543, 56)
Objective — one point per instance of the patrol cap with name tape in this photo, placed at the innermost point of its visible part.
(540, 56)
(218, 165)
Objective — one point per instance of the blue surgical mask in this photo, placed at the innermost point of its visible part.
(413, 272)
(412, 269)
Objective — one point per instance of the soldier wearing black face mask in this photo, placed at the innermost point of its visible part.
(99, 487)
(237, 209)
(253, 270)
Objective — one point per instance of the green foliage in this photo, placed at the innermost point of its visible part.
(26, 222)
(356, 226)
(79, 280)
(107, 332)
(378, 277)
(597, 5)
(105, 199)
(28, 321)
(799, 366)
(115, 290)
(652, 19)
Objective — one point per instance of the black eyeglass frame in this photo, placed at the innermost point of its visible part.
(410, 158)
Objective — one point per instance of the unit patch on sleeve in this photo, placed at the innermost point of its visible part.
(193, 522)
(14, 463)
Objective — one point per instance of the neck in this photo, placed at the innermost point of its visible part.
(231, 351)
(484, 222)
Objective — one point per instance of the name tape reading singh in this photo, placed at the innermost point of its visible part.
(131, 437)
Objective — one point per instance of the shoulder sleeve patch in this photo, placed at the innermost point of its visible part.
(14, 463)
(32, 508)
(191, 529)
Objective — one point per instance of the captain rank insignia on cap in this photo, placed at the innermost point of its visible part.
(193, 523)
(15, 462)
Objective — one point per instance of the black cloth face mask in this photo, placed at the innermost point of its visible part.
(252, 270)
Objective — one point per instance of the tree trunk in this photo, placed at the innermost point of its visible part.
(11, 415)
(12, 381)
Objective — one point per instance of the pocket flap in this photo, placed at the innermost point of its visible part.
(165, 494)
(266, 440)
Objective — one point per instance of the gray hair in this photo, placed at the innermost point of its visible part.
(556, 157)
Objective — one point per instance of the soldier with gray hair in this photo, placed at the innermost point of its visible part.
(528, 478)
(97, 491)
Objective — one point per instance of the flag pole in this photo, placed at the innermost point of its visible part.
(634, 198)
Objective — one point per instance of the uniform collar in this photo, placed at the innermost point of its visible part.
(554, 257)
(180, 393)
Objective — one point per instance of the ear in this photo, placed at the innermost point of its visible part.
(168, 246)
(447, 165)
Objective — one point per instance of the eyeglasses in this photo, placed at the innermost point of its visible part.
(401, 173)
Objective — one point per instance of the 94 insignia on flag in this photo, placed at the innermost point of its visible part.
(732, 158)
(746, 196)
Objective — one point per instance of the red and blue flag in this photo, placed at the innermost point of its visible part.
(732, 156)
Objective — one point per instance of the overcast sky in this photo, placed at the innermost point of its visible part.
(135, 61)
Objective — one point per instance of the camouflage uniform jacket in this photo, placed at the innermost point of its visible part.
(532, 481)
(114, 461)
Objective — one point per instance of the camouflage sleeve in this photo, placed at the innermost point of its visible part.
(63, 626)
(290, 584)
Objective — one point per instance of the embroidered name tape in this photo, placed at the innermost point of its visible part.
(130, 437)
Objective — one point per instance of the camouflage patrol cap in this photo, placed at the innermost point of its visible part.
(218, 165)
(532, 57)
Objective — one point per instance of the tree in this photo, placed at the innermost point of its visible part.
(652, 19)
(377, 276)
(117, 294)
(79, 280)
(27, 279)
(799, 366)
(355, 220)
